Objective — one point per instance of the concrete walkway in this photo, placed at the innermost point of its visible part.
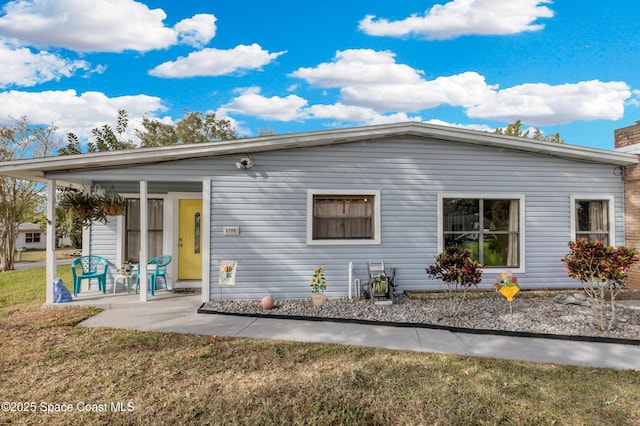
(178, 314)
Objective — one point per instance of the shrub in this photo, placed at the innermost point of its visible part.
(457, 269)
(602, 271)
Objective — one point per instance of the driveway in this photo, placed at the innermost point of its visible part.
(28, 265)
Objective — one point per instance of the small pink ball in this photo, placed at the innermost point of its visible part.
(267, 303)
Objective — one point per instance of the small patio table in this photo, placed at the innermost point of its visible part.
(124, 279)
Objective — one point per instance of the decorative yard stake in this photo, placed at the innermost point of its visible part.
(318, 286)
(507, 285)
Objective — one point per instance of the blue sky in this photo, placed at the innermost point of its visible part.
(289, 66)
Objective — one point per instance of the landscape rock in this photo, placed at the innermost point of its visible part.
(531, 314)
(574, 299)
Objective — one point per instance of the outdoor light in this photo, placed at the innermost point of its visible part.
(245, 163)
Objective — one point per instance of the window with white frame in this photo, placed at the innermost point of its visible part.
(343, 217)
(155, 212)
(593, 218)
(490, 227)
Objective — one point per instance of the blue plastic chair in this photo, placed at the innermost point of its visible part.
(87, 267)
(160, 271)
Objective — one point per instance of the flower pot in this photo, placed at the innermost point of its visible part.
(317, 299)
(80, 211)
(112, 209)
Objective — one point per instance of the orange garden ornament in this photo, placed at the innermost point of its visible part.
(507, 285)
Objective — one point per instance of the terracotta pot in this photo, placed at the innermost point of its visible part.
(112, 209)
(80, 211)
(317, 299)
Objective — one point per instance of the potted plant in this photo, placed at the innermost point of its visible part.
(80, 204)
(318, 286)
(126, 268)
(113, 204)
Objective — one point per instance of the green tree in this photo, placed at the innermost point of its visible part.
(515, 129)
(19, 199)
(105, 139)
(193, 127)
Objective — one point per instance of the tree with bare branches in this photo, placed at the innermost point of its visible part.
(19, 198)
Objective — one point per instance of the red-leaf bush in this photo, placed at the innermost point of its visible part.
(602, 271)
(457, 269)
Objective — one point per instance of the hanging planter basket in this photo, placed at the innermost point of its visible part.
(81, 205)
(112, 204)
(113, 209)
(81, 211)
(93, 207)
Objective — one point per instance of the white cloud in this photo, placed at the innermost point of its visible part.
(22, 67)
(543, 104)
(458, 90)
(215, 62)
(373, 80)
(99, 25)
(75, 113)
(399, 117)
(479, 127)
(196, 31)
(464, 17)
(359, 67)
(251, 102)
(341, 112)
(355, 114)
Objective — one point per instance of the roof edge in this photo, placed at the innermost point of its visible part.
(36, 168)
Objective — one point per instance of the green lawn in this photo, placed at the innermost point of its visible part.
(39, 255)
(24, 290)
(165, 378)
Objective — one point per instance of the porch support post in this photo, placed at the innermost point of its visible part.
(206, 240)
(50, 255)
(144, 243)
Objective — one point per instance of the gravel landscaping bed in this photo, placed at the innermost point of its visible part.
(530, 315)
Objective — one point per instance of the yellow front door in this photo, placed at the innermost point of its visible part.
(190, 240)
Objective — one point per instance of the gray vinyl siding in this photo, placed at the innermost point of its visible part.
(269, 204)
(103, 243)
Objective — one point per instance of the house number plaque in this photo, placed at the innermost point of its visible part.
(231, 230)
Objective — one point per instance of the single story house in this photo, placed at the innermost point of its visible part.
(281, 205)
(30, 237)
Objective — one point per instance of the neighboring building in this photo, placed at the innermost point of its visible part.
(281, 205)
(30, 237)
(627, 140)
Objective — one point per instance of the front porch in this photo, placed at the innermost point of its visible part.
(122, 299)
(154, 226)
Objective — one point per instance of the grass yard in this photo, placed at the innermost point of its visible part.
(39, 255)
(110, 376)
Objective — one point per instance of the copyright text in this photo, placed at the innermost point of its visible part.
(52, 408)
